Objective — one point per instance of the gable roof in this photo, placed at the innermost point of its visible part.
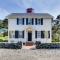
(31, 15)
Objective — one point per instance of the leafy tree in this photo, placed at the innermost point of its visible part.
(58, 17)
(5, 23)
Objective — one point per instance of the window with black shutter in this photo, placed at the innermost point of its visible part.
(16, 34)
(41, 21)
(42, 34)
(17, 21)
(35, 34)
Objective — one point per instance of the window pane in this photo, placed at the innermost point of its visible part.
(20, 21)
(29, 21)
(38, 34)
(46, 34)
(38, 22)
(21, 34)
(16, 34)
(11, 34)
(42, 34)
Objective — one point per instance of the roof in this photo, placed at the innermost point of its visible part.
(30, 15)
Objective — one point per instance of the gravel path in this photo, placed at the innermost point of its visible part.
(23, 54)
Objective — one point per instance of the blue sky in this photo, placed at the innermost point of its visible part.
(39, 6)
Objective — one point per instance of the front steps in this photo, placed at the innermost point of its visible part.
(29, 43)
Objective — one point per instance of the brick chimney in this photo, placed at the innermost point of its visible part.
(29, 10)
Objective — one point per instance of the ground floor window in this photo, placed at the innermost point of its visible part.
(11, 34)
(16, 34)
(21, 34)
(42, 34)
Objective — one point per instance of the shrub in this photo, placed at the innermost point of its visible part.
(11, 45)
(48, 46)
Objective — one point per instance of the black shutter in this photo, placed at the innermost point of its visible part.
(17, 21)
(26, 21)
(16, 34)
(32, 21)
(23, 34)
(42, 34)
(48, 34)
(35, 21)
(41, 21)
(35, 34)
(23, 21)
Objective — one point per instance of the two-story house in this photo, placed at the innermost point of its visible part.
(30, 27)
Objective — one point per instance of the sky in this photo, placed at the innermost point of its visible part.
(20, 6)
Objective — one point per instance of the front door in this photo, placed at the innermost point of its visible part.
(29, 36)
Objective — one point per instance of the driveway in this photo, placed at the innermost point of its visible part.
(26, 54)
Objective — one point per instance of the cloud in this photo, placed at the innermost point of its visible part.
(39, 6)
(3, 13)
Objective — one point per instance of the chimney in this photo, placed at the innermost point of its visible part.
(29, 10)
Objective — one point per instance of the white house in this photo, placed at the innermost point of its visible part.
(30, 27)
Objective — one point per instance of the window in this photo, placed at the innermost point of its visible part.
(16, 34)
(39, 21)
(11, 34)
(42, 34)
(21, 34)
(37, 34)
(29, 21)
(47, 34)
(20, 21)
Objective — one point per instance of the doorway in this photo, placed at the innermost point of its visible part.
(29, 36)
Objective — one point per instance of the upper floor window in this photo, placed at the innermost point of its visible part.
(29, 21)
(38, 21)
(20, 21)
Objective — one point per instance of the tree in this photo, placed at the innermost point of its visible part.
(5, 23)
(58, 17)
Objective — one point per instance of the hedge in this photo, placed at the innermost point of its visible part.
(48, 46)
(11, 45)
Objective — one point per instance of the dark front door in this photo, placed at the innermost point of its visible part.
(29, 36)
